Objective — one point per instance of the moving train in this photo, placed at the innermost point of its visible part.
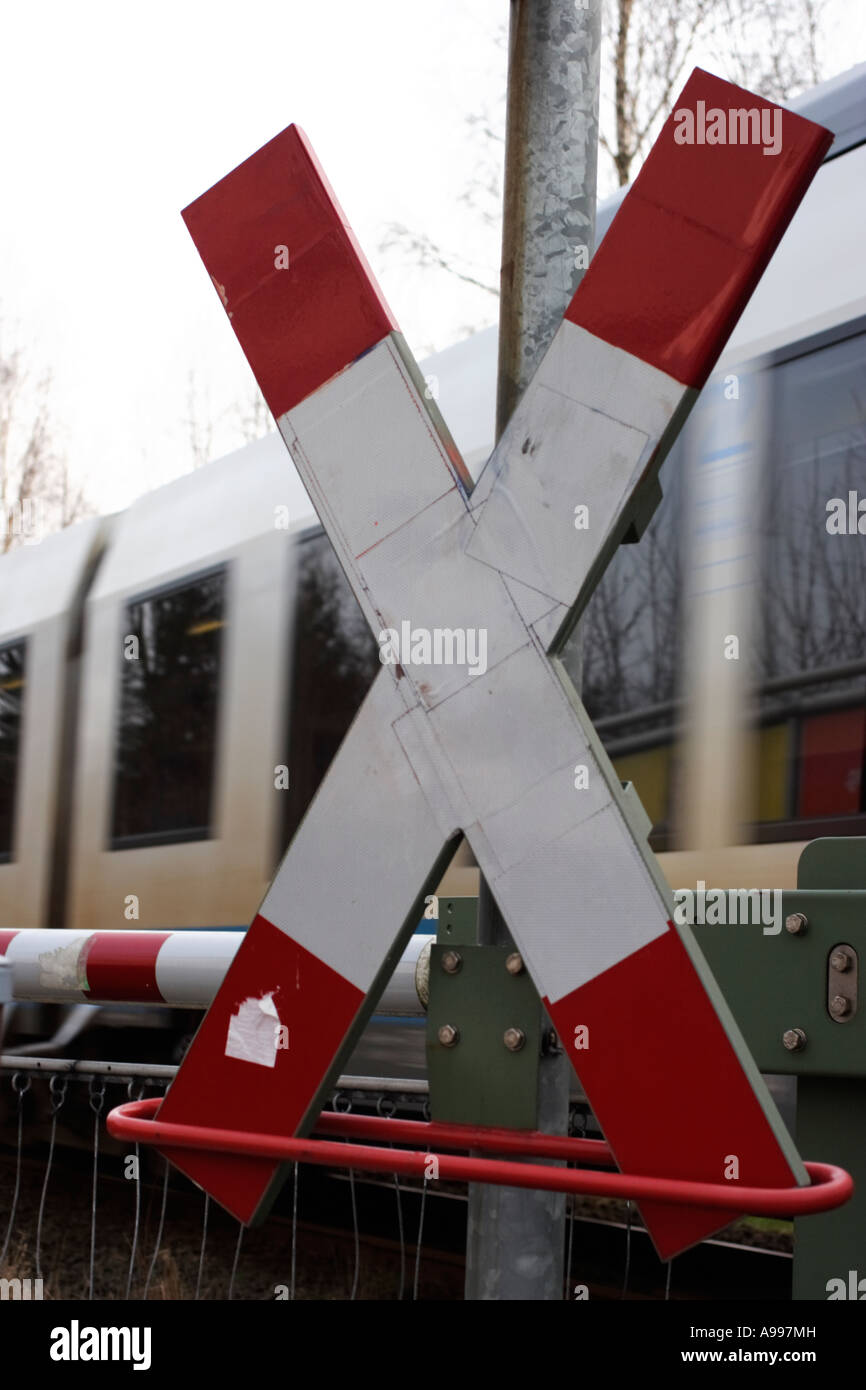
(175, 679)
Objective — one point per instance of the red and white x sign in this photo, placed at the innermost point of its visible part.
(439, 748)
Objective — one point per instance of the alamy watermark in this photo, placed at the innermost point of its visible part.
(742, 125)
(438, 646)
(729, 907)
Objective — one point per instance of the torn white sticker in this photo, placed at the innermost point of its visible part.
(62, 968)
(255, 1031)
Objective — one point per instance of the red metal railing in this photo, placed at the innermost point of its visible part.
(830, 1186)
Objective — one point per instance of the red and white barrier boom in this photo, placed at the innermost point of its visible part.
(181, 969)
(439, 749)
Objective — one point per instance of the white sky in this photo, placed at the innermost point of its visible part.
(114, 117)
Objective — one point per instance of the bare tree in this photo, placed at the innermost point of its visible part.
(762, 44)
(212, 433)
(37, 494)
(252, 417)
(774, 47)
(770, 46)
(199, 420)
(649, 42)
(482, 196)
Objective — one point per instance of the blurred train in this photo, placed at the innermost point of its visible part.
(175, 680)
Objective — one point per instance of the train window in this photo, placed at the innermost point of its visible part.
(814, 550)
(830, 781)
(810, 655)
(335, 660)
(770, 755)
(12, 684)
(631, 645)
(632, 622)
(167, 729)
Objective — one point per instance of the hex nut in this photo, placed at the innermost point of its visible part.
(794, 1039)
(514, 963)
(514, 1039)
(451, 962)
(796, 923)
(839, 1006)
(448, 1035)
(840, 960)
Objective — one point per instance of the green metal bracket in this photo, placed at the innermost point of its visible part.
(781, 987)
(477, 1007)
(458, 919)
(831, 1111)
(778, 983)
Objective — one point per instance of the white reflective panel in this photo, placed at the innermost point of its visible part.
(580, 903)
(574, 451)
(347, 908)
(370, 458)
(460, 610)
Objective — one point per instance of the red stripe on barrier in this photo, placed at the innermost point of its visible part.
(5, 938)
(696, 231)
(302, 323)
(316, 1005)
(122, 965)
(652, 1038)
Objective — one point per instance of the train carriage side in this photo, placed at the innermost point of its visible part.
(42, 589)
(187, 659)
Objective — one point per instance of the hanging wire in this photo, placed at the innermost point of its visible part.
(387, 1108)
(155, 1254)
(294, 1229)
(20, 1085)
(627, 1250)
(402, 1237)
(203, 1243)
(668, 1282)
(357, 1270)
(97, 1100)
(566, 1293)
(134, 1092)
(345, 1109)
(57, 1086)
(235, 1261)
(572, 1202)
(420, 1234)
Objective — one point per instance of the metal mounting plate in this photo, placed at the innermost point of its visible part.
(776, 983)
(479, 1081)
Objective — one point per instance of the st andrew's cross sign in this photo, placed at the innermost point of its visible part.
(437, 750)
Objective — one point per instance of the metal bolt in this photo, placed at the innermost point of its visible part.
(840, 960)
(794, 1039)
(796, 923)
(514, 1038)
(448, 1035)
(514, 963)
(451, 962)
(839, 1006)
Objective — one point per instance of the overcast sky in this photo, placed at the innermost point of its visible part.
(114, 117)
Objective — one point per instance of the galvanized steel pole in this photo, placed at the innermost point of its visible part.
(514, 1242)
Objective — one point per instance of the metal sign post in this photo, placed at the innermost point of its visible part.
(514, 1245)
(472, 726)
